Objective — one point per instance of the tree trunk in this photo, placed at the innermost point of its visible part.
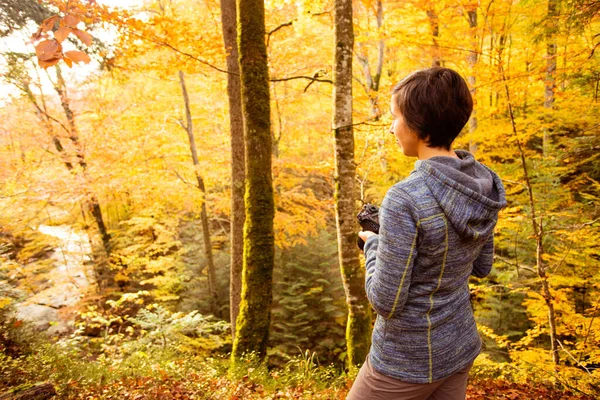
(358, 328)
(212, 275)
(92, 204)
(472, 78)
(435, 33)
(550, 84)
(238, 169)
(252, 331)
(41, 391)
(372, 82)
(538, 231)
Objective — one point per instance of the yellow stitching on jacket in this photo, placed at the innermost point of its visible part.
(431, 304)
(412, 248)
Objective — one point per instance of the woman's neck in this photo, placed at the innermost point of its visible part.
(424, 152)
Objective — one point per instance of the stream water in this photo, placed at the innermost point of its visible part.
(52, 309)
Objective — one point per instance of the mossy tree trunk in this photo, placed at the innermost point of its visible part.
(215, 305)
(253, 320)
(358, 329)
(238, 169)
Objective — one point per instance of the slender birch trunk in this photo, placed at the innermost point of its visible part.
(550, 84)
(252, 331)
(435, 33)
(358, 328)
(538, 231)
(215, 305)
(372, 81)
(472, 78)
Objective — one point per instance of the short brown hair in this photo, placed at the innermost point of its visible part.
(436, 104)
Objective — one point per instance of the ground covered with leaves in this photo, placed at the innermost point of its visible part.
(162, 375)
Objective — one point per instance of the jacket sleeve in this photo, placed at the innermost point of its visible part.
(483, 263)
(391, 254)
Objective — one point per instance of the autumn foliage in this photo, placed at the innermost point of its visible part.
(49, 48)
(80, 147)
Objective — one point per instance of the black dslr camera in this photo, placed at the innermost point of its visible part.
(368, 218)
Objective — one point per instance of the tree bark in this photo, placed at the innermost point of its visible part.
(372, 82)
(212, 275)
(252, 331)
(92, 204)
(472, 78)
(359, 311)
(238, 168)
(550, 84)
(435, 33)
(538, 231)
(41, 391)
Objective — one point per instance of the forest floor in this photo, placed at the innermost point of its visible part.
(199, 386)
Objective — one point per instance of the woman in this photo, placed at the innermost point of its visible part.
(436, 230)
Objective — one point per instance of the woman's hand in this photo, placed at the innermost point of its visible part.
(364, 235)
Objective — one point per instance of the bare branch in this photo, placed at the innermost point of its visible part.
(310, 78)
(272, 31)
(170, 46)
(573, 358)
(184, 180)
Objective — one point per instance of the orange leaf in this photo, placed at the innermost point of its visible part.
(48, 49)
(49, 23)
(68, 61)
(71, 21)
(78, 56)
(48, 63)
(83, 36)
(62, 33)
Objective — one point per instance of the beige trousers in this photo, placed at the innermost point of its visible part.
(371, 385)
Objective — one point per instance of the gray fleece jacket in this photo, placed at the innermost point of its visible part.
(436, 229)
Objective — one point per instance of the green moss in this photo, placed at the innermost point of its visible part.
(252, 325)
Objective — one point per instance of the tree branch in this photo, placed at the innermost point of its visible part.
(291, 78)
(573, 358)
(175, 49)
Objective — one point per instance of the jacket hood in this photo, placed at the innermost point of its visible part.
(469, 193)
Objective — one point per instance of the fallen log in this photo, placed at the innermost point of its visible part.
(38, 391)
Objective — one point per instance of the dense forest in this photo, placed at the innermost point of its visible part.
(179, 182)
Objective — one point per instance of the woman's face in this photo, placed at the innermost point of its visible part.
(406, 139)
